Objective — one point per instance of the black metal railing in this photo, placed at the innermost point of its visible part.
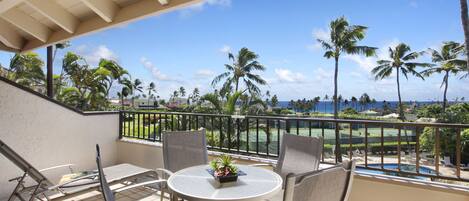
(395, 148)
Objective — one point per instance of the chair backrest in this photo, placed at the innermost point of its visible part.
(182, 149)
(21, 163)
(105, 189)
(298, 154)
(330, 184)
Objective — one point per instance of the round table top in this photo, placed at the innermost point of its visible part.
(195, 183)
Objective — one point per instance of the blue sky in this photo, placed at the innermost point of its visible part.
(189, 47)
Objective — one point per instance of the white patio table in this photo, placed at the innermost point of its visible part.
(196, 183)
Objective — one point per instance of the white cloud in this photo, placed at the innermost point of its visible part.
(322, 34)
(314, 47)
(204, 74)
(200, 6)
(93, 56)
(225, 49)
(285, 75)
(155, 72)
(368, 63)
(321, 74)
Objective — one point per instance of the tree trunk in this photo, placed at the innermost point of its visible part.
(401, 109)
(338, 155)
(465, 25)
(446, 90)
(336, 75)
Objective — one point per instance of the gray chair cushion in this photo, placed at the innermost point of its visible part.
(182, 149)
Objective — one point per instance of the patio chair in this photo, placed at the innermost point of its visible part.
(298, 154)
(75, 184)
(108, 195)
(182, 149)
(330, 184)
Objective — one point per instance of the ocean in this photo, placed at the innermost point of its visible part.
(328, 107)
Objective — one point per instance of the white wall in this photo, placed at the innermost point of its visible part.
(47, 134)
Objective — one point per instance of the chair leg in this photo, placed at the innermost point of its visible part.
(17, 188)
(162, 195)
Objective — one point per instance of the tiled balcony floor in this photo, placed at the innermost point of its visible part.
(136, 194)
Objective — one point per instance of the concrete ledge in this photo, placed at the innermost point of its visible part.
(366, 187)
(437, 186)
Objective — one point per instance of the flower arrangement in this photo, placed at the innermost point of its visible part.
(223, 169)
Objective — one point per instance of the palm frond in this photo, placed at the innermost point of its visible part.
(325, 44)
(256, 78)
(365, 50)
(214, 100)
(218, 78)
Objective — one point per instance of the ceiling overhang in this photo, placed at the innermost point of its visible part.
(29, 24)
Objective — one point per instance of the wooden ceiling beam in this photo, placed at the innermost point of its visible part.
(9, 37)
(163, 2)
(106, 9)
(27, 24)
(56, 14)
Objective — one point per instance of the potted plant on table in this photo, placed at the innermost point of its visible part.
(223, 169)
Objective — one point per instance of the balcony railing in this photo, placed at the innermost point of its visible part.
(374, 144)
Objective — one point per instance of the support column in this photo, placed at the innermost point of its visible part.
(49, 77)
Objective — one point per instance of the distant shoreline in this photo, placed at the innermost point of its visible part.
(327, 106)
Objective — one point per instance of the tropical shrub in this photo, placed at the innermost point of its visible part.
(349, 111)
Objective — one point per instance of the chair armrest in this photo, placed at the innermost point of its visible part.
(47, 169)
(165, 171)
(262, 164)
(66, 184)
(58, 167)
(139, 184)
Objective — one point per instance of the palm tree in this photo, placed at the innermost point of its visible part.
(220, 106)
(402, 61)
(447, 63)
(354, 102)
(174, 95)
(195, 96)
(373, 102)
(182, 91)
(465, 26)
(339, 100)
(326, 98)
(126, 90)
(364, 101)
(274, 101)
(136, 87)
(26, 69)
(88, 90)
(151, 89)
(343, 40)
(241, 69)
(115, 71)
(317, 99)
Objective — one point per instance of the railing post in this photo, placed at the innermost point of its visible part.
(121, 118)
